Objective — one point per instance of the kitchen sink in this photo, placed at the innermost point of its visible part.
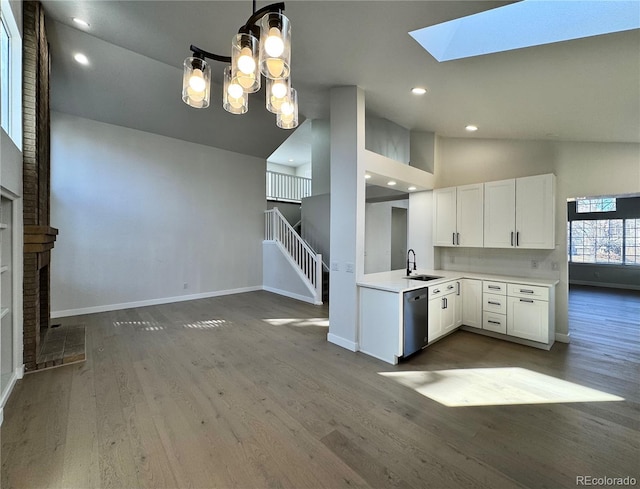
(423, 278)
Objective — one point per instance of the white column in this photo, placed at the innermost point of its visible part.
(347, 213)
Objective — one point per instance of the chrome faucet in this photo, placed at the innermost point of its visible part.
(409, 262)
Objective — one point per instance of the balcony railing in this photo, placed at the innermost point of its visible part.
(281, 186)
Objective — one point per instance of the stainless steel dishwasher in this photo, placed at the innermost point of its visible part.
(415, 320)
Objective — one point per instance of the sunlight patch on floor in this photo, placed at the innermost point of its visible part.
(140, 325)
(206, 324)
(299, 322)
(495, 387)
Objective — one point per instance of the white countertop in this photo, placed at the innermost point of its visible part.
(394, 281)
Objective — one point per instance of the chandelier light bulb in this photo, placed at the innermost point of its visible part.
(274, 45)
(196, 96)
(279, 89)
(235, 90)
(286, 108)
(196, 82)
(246, 63)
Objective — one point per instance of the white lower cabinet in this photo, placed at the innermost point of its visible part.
(528, 319)
(494, 322)
(445, 309)
(471, 302)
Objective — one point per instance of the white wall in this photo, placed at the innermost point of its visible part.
(320, 157)
(377, 235)
(281, 276)
(420, 227)
(275, 167)
(141, 214)
(582, 169)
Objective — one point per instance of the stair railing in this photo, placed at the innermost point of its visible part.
(278, 229)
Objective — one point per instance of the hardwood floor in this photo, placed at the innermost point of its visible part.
(244, 391)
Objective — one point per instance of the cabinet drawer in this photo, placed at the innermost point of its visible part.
(494, 322)
(494, 287)
(528, 292)
(494, 303)
(443, 289)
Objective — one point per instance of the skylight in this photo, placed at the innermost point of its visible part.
(525, 24)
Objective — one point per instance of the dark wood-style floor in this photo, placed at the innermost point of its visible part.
(244, 391)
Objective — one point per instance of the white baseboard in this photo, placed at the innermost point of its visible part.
(606, 285)
(291, 295)
(150, 302)
(563, 338)
(1, 416)
(343, 342)
(20, 372)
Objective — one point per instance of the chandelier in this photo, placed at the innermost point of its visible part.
(262, 47)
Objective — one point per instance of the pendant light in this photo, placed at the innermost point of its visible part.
(262, 47)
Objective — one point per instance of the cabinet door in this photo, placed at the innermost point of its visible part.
(470, 215)
(528, 319)
(435, 318)
(535, 212)
(471, 295)
(499, 214)
(444, 216)
(457, 297)
(448, 319)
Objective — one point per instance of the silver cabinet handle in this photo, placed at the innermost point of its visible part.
(494, 287)
(493, 322)
(493, 303)
(458, 238)
(436, 291)
(511, 238)
(444, 303)
(526, 291)
(527, 300)
(449, 287)
(453, 238)
(458, 285)
(517, 238)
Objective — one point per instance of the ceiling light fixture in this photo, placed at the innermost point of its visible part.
(80, 22)
(418, 91)
(262, 47)
(411, 189)
(367, 176)
(471, 128)
(391, 183)
(81, 58)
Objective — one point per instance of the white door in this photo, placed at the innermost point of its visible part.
(528, 319)
(444, 216)
(499, 214)
(535, 212)
(435, 319)
(471, 296)
(448, 320)
(470, 215)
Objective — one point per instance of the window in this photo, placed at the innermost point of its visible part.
(10, 75)
(632, 241)
(596, 205)
(612, 241)
(4, 75)
(596, 241)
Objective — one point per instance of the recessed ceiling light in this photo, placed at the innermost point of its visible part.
(290, 160)
(471, 128)
(391, 183)
(81, 58)
(411, 189)
(81, 22)
(418, 91)
(367, 176)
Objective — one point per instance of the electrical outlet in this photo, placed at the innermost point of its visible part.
(534, 263)
(335, 266)
(349, 267)
(185, 285)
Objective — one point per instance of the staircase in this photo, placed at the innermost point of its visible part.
(300, 256)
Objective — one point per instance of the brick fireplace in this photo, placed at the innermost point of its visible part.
(39, 236)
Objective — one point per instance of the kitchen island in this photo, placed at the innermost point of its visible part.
(504, 307)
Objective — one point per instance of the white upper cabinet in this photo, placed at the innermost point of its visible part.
(458, 216)
(499, 214)
(535, 212)
(520, 213)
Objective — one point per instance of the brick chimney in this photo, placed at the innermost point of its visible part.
(39, 237)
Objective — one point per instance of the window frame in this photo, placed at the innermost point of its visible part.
(14, 129)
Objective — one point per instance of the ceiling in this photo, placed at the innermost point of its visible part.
(581, 90)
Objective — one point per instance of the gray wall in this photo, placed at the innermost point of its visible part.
(140, 215)
(290, 210)
(316, 224)
(387, 138)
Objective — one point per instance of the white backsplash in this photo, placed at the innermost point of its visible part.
(517, 263)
